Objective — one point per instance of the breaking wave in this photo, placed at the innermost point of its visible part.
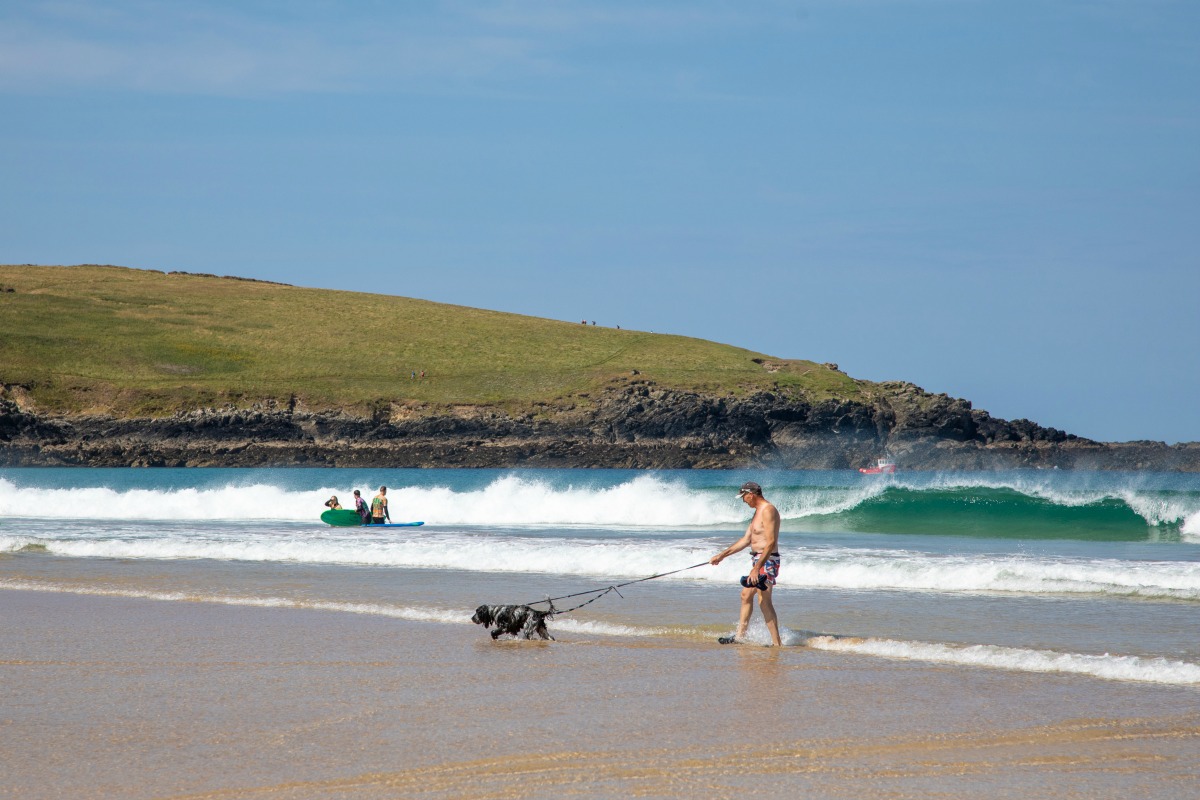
(985, 507)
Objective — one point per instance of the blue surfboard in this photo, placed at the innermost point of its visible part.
(347, 518)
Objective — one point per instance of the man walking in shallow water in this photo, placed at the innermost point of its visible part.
(762, 537)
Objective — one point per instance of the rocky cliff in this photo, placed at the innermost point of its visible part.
(632, 424)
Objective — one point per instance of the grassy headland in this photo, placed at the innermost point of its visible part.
(133, 343)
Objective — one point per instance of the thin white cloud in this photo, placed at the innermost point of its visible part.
(182, 49)
(143, 45)
(574, 16)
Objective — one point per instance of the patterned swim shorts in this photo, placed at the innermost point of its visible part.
(768, 574)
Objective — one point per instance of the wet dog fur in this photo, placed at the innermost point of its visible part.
(522, 622)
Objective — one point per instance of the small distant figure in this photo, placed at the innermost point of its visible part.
(379, 508)
(422, 374)
(333, 503)
(364, 510)
(593, 323)
(583, 322)
(414, 375)
(618, 327)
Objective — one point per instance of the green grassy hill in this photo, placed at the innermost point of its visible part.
(103, 339)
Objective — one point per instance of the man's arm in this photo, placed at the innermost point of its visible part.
(740, 544)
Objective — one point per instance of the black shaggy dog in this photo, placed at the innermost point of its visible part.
(522, 622)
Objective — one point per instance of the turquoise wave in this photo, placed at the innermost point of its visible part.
(1008, 513)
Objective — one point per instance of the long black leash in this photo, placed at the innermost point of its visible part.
(601, 592)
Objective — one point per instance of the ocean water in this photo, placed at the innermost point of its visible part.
(1089, 575)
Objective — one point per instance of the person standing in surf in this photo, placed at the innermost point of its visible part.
(360, 505)
(379, 508)
(762, 537)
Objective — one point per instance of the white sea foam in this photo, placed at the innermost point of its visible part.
(907, 571)
(97, 503)
(1016, 659)
(405, 612)
(507, 554)
(646, 501)
(1190, 529)
(416, 614)
(837, 568)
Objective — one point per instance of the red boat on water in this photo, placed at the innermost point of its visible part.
(883, 466)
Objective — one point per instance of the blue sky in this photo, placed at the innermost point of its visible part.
(997, 200)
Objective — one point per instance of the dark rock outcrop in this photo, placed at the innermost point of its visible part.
(635, 424)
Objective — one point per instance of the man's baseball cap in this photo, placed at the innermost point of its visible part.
(750, 487)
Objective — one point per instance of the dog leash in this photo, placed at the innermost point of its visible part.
(601, 592)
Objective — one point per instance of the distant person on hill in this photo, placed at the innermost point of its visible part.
(333, 503)
(379, 508)
(762, 537)
(360, 505)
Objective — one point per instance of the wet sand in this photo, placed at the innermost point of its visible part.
(116, 697)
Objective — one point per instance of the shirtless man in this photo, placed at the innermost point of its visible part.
(762, 537)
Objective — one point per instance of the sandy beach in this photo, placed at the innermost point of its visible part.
(195, 634)
(116, 697)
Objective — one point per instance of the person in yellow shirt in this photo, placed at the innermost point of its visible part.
(379, 508)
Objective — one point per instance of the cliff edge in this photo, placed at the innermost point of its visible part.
(635, 424)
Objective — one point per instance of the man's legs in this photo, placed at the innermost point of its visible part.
(747, 610)
(768, 612)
